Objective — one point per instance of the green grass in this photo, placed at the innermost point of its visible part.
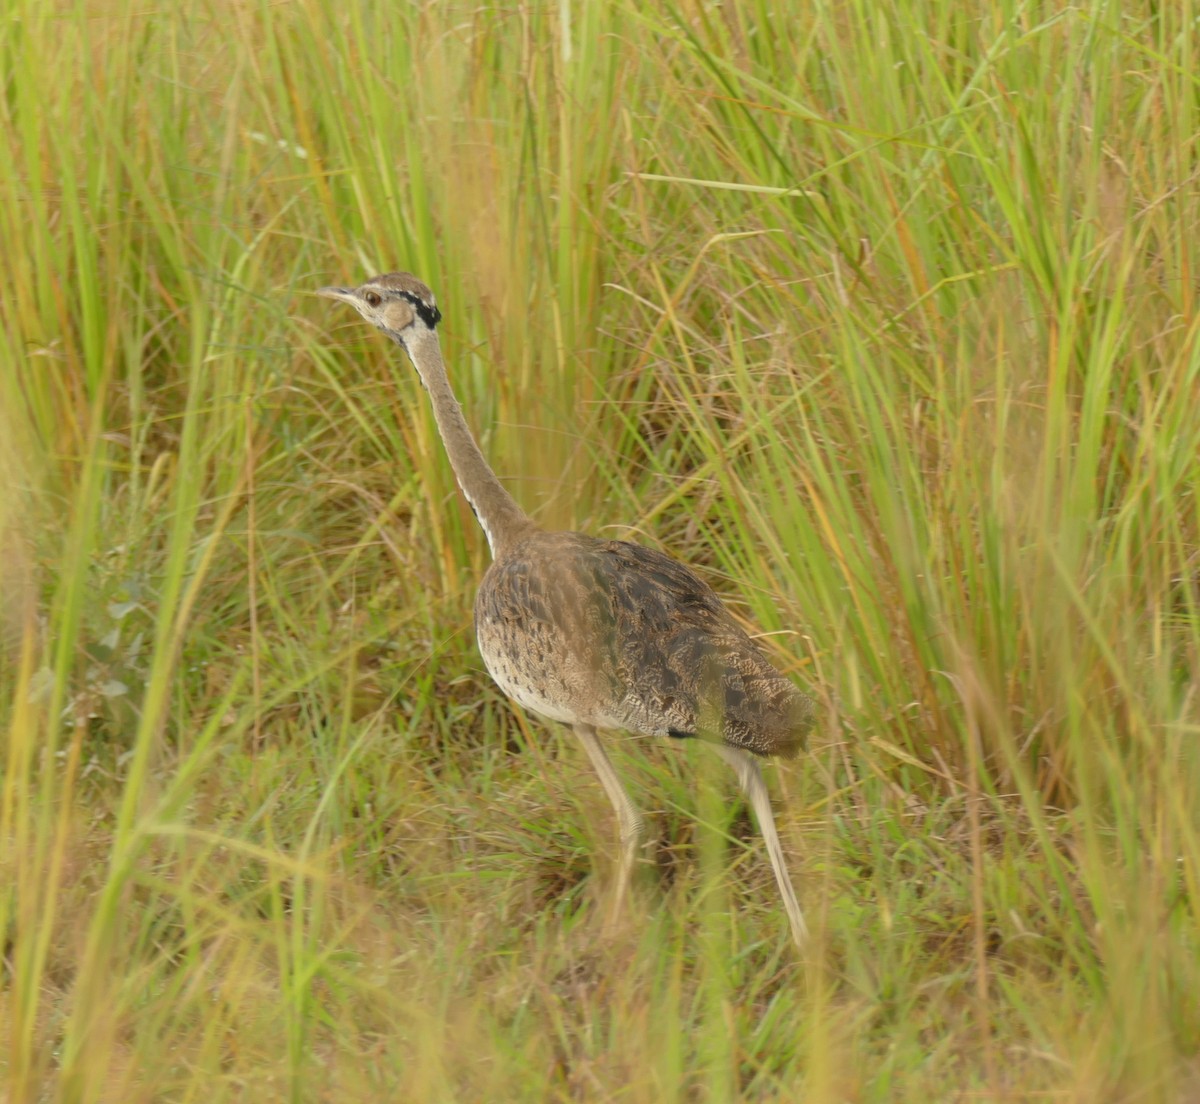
(884, 317)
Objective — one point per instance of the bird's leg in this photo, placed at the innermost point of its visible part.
(750, 778)
(628, 818)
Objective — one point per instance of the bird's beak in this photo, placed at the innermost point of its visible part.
(346, 295)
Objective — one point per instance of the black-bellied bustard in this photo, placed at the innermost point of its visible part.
(601, 634)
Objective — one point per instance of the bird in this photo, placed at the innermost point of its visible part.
(601, 635)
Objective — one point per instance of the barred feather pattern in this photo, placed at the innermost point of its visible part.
(615, 635)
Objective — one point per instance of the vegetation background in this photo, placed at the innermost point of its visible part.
(883, 315)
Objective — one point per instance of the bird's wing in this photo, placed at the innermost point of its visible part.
(684, 664)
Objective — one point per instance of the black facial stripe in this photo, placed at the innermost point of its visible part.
(427, 313)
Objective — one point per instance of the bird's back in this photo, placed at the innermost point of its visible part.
(615, 635)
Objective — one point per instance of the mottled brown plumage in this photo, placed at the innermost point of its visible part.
(601, 634)
(615, 635)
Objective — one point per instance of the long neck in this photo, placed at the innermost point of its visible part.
(503, 521)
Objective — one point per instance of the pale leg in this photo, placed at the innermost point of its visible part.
(750, 778)
(628, 818)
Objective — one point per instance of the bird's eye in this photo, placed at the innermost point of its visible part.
(373, 298)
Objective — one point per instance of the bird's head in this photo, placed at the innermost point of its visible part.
(396, 302)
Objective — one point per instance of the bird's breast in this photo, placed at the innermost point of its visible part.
(527, 670)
